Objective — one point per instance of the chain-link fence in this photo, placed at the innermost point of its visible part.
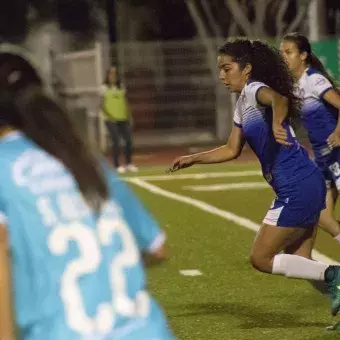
(172, 89)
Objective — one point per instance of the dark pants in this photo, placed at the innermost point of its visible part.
(123, 130)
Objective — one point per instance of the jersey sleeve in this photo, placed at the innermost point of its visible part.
(145, 228)
(3, 217)
(238, 117)
(251, 93)
(319, 84)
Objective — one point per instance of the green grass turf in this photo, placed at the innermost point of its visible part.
(230, 300)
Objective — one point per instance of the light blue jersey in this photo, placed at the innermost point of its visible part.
(76, 276)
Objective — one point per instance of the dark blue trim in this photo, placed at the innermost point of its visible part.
(324, 92)
(238, 125)
(311, 71)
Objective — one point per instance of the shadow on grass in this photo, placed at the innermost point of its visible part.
(249, 316)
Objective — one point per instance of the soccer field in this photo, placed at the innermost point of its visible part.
(210, 214)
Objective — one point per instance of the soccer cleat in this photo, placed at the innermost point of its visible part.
(332, 279)
(335, 327)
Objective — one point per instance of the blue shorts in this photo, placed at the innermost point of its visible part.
(330, 168)
(299, 205)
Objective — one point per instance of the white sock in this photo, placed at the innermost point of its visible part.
(298, 267)
(337, 238)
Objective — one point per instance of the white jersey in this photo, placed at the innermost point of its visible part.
(281, 166)
(318, 117)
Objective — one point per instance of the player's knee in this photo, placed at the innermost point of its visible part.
(260, 262)
(255, 261)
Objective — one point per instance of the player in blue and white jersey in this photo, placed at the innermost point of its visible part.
(71, 233)
(320, 112)
(263, 112)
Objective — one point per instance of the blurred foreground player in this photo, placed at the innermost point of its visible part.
(71, 233)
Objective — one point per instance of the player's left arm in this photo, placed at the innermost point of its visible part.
(7, 327)
(332, 96)
(268, 97)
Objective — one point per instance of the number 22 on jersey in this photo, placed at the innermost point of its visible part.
(90, 258)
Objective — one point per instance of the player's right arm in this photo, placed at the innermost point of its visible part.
(323, 89)
(224, 153)
(332, 96)
(7, 327)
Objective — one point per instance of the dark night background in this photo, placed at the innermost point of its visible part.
(75, 16)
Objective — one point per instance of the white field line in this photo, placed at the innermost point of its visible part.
(171, 177)
(227, 215)
(228, 186)
(190, 272)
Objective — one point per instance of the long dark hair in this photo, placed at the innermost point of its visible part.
(118, 84)
(268, 67)
(26, 106)
(303, 45)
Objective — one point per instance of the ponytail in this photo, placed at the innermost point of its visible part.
(314, 62)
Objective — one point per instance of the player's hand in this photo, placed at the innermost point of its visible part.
(333, 139)
(280, 134)
(181, 163)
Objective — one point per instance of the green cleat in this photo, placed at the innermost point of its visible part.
(332, 279)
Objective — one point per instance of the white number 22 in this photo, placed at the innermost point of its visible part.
(88, 263)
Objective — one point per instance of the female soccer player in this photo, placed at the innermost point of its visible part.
(262, 118)
(320, 118)
(71, 233)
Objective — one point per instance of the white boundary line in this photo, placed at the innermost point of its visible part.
(171, 177)
(228, 186)
(227, 215)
